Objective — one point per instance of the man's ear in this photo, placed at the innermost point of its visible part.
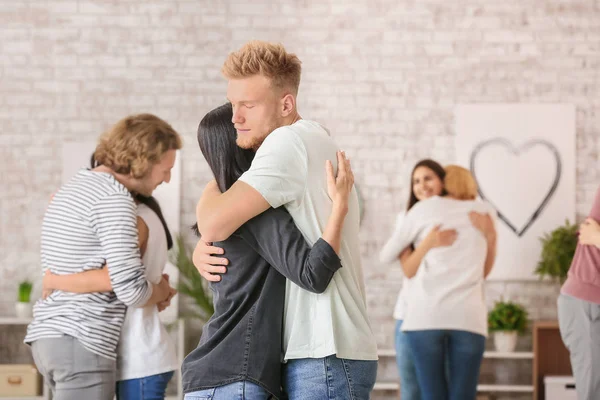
(288, 104)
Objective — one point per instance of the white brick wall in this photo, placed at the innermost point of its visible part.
(383, 75)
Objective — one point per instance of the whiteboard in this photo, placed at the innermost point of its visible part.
(76, 155)
(523, 159)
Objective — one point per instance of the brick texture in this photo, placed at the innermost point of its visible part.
(383, 75)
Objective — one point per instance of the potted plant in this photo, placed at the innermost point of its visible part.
(506, 321)
(23, 307)
(558, 249)
(191, 283)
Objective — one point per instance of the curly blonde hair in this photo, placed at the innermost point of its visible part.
(459, 183)
(135, 143)
(267, 59)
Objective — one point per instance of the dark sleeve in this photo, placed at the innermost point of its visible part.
(275, 237)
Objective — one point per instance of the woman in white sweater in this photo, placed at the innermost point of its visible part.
(426, 181)
(445, 316)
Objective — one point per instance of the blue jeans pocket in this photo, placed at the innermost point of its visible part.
(206, 394)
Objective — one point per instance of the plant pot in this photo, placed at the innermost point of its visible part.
(505, 341)
(23, 310)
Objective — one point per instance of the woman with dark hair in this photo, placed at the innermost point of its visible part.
(444, 313)
(239, 354)
(146, 355)
(427, 180)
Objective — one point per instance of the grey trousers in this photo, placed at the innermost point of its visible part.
(72, 372)
(579, 323)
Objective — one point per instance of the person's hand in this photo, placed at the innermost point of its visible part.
(438, 238)
(164, 289)
(47, 280)
(483, 223)
(46, 293)
(340, 186)
(405, 253)
(207, 261)
(589, 232)
(164, 304)
(47, 288)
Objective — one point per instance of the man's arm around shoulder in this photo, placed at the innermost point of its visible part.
(220, 214)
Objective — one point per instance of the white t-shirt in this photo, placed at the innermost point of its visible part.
(388, 255)
(289, 169)
(145, 348)
(447, 291)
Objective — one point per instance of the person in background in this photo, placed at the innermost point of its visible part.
(427, 180)
(445, 319)
(579, 307)
(91, 222)
(146, 355)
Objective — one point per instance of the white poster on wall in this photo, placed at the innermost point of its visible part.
(523, 159)
(76, 155)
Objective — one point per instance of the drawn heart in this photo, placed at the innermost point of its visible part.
(505, 145)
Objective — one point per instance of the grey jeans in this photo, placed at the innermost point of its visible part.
(579, 323)
(72, 372)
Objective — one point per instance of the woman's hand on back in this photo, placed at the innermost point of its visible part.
(440, 238)
(340, 186)
(483, 223)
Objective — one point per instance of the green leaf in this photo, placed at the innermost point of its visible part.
(558, 249)
(507, 316)
(24, 293)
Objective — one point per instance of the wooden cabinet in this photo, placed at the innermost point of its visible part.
(550, 356)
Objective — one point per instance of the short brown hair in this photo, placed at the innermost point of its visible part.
(459, 183)
(268, 59)
(135, 143)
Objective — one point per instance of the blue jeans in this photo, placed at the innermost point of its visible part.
(148, 388)
(242, 390)
(329, 378)
(463, 351)
(409, 387)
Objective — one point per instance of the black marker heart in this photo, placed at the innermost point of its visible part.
(505, 143)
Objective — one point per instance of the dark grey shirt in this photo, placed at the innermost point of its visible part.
(243, 339)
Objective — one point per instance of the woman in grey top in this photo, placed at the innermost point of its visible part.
(239, 354)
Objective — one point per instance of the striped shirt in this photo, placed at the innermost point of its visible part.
(90, 222)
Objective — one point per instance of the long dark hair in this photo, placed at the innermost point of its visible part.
(150, 202)
(436, 168)
(217, 141)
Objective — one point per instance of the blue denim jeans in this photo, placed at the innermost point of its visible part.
(148, 388)
(329, 378)
(242, 390)
(409, 387)
(463, 351)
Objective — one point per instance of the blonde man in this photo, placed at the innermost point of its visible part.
(329, 348)
(90, 222)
